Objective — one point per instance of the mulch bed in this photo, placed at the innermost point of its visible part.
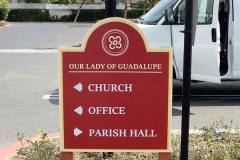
(4, 23)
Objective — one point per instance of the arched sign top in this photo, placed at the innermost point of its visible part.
(116, 36)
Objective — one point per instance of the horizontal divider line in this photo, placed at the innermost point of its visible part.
(138, 72)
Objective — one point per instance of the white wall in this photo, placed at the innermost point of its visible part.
(56, 9)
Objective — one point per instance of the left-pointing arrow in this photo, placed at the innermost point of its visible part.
(77, 132)
(78, 87)
(79, 110)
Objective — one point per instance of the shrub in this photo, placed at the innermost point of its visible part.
(94, 15)
(43, 149)
(36, 15)
(33, 1)
(4, 9)
(214, 142)
(42, 15)
(217, 141)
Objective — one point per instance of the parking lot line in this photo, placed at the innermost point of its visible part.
(28, 51)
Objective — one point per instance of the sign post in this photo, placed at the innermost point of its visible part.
(189, 36)
(115, 92)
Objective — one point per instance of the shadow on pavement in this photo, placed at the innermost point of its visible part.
(176, 112)
(54, 98)
(80, 25)
(202, 95)
(209, 102)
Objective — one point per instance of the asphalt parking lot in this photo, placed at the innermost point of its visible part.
(42, 35)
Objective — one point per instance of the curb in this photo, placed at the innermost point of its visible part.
(8, 152)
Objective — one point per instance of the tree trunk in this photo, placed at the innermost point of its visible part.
(125, 8)
(75, 20)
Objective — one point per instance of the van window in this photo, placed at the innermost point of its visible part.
(205, 12)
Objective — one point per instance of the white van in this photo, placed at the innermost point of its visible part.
(216, 53)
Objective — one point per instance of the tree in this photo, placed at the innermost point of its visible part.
(79, 9)
(110, 8)
(4, 9)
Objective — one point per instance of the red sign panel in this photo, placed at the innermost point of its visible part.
(115, 92)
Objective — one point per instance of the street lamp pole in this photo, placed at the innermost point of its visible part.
(110, 8)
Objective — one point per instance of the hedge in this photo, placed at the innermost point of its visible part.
(20, 15)
(42, 15)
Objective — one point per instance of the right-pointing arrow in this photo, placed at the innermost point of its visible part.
(77, 132)
(79, 110)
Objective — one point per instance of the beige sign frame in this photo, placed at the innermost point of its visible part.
(64, 49)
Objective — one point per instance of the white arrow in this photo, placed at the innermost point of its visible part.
(77, 132)
(78, 87)
(79, 110)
